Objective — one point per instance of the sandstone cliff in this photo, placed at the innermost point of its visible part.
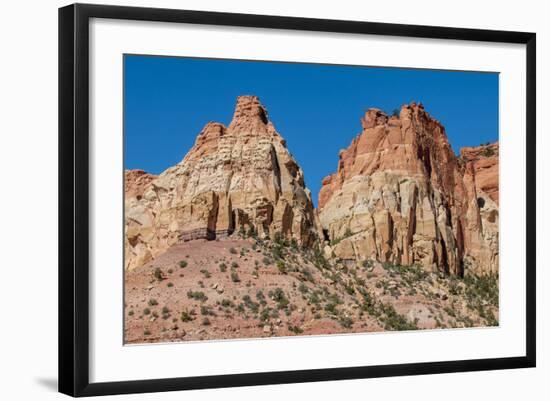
(239, 178)
(400, 195)
(135, 182)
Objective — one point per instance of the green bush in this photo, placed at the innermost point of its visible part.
(281, 267)
(197, 295)
(235, 277)
(186, 317)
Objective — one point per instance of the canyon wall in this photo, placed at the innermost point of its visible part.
(400, 195)
(239, 178)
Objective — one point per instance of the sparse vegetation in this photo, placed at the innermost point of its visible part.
(186, 316)
(183, 264)
(158, 274)
(235, 277)
(281, 267)
(197, 295)
(295, 329)
(355, 295)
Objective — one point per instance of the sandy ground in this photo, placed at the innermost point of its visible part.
(237, 288)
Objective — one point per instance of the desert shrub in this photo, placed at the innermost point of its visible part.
(226, 303)
(170, 285)
(146, 332)
(349, 288)
(223, 267)
(205, 272)
(308, 275)
(302, 288)
(250, 304)
(260, 297)
(281, 267)
(197, 295)
(235, 277)
(186, 317)
(206, 322)
(367, 264)
(331, 307)
(295, 329)
(487, 152)
(251, 232)
(131, 313)
(277, 252)
(234, 265)
(319, 259)
(346, 322)
(153, 302)
(314, 298)
(183, 263)
(266, 261)
(158, 274)
(393, 320)
(206, 310)
(278, 295)
(233, 251)
(265, 314)
(146, 311)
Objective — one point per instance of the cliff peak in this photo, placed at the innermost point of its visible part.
(401, 195)
(239, 179)
(249, 116)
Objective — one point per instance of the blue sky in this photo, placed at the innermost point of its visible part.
(316, 108)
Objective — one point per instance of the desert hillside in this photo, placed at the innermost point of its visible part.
(227, 243)
(247, 288)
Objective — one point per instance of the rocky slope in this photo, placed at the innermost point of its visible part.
(247, 288)
(400, 195)
(239, 178)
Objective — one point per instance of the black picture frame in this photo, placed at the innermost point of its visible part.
(74, 199)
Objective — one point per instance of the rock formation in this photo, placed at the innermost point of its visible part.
(401, 195)
(239, 178)
(135, 182)
(480, 177)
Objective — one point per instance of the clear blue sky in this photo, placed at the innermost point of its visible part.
(316, 108)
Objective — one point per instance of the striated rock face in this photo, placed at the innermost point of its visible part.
(484, 162)
(481, 173)
(135, 182)
(401, 195)
(239, 178)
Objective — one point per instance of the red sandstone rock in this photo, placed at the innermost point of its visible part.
(135, 182)
(239, 178)
(401, 195)
(484, 160)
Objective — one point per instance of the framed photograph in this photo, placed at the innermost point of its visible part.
(250, 199)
